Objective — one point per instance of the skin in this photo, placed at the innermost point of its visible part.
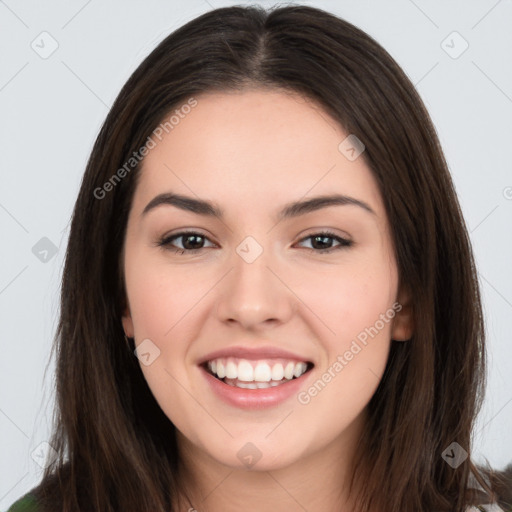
(251, 153)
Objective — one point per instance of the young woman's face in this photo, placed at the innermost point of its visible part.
(249, 288)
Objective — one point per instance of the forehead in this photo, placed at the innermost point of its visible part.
(254, 147)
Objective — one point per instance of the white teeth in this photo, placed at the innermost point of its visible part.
(231, 370)
(277, 371)
(245, 371)
(260, 372)
(288, 371)
(300, 368)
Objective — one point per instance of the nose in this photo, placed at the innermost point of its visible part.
(254, 294)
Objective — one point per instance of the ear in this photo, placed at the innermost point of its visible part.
(127, 322)
(403, 323)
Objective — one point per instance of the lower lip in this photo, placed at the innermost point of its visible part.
(255, 398)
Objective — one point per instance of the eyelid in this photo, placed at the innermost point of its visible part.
(327, 231)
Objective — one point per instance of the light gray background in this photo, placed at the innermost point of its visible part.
(52, 109)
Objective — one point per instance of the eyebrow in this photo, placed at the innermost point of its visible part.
(290, 210)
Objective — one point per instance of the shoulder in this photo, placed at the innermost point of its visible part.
(27, 503)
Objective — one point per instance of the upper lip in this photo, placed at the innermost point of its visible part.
(253, 353)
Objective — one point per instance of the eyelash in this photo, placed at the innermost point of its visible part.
(165, 242)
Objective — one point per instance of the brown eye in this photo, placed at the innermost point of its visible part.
(321, 242)
(191, 242)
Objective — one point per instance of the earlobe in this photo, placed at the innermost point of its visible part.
(403, 322)
(127, 323)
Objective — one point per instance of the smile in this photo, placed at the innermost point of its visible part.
(255, 383)
(256, 374)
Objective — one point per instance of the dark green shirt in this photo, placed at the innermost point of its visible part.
(26, 503)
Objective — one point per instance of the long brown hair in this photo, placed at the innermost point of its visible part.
(116, 448)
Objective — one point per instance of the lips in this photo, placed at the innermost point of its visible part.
(255, 377)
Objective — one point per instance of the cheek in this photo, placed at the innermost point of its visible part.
(161, 302)
(364, 327)
(350, 299)
(160, 297)
(357, 307)
(355, 303)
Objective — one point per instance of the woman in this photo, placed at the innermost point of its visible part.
(208, 359)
